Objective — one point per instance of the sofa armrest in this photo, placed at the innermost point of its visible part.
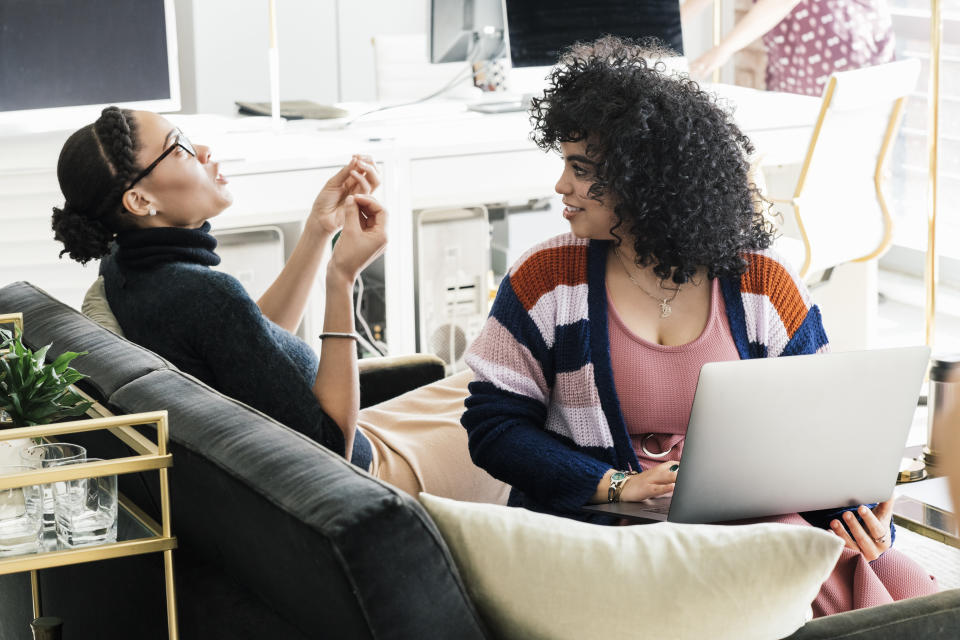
(391, 376)
(935, 617)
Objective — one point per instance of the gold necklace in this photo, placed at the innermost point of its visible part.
(665, 309)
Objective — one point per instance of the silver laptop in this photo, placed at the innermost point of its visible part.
(780, 435)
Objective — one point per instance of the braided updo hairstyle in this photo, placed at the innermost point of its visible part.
(96, 164)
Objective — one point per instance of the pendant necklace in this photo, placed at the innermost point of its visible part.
(665, 309)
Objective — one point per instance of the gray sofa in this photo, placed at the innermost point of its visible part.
(280, 538)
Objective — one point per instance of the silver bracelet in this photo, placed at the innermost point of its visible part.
(339, 334)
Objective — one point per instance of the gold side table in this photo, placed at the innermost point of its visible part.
(146, 536)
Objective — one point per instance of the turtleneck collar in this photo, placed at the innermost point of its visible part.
(149, 248)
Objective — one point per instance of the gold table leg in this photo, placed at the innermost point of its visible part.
(35, 593)
(171, 595)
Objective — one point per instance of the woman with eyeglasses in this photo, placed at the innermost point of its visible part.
(139, 196)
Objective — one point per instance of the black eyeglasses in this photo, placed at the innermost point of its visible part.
(180, 141)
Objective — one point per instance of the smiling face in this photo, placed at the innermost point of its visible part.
(185, 190)
(588, 218)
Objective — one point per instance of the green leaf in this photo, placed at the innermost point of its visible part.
(41, 356)
(15, 399)
(64, 359)
(35, 392)
(77, 410)
(71, 376)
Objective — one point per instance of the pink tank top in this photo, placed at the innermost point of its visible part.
(656, 383)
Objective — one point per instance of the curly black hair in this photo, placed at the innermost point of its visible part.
(670, 161)
(96, 164)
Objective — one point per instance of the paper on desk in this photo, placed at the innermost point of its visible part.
(934, 492)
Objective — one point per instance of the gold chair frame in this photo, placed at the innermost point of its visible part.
(879, 177)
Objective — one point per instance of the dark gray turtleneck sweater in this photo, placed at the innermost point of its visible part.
(167, 298)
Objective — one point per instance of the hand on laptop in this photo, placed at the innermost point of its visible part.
(652, 483)
(871, 540)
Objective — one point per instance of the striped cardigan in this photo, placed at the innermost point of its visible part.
(543, 415)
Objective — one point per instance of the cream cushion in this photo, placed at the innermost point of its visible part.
(538, 576)
(96, 308)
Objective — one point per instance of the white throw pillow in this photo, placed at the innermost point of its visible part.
(538, 576)
(96, 307)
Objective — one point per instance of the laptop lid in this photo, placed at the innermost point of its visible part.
(780, 435)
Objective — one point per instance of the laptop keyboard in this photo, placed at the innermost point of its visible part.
(661, 507)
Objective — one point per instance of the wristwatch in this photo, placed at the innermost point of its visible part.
(617, 481)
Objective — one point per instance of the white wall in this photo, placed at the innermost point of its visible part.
(223, 48)
(223, 52)
(360, 20)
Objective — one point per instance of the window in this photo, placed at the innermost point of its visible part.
(909, 179)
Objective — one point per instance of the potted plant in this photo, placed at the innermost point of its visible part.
(33, 392)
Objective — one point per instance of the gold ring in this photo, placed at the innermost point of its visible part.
(881, 539)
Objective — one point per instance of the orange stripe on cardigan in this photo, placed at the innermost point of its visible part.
(767, 277)
(547, 269)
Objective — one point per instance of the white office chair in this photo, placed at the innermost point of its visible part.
(404, 72)
(834, 208)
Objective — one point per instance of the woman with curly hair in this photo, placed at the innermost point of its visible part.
(586, 369)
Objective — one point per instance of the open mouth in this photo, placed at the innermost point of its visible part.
(570, 211)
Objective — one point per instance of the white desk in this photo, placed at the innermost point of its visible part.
(436, 154)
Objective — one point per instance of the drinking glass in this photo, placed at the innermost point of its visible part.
(41, 456)
(86, 509)
(21, 526)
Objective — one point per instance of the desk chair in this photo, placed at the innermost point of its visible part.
(835, 210)
(835, 217)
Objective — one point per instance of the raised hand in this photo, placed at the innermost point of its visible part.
(872, 540)
(358, 177)
(363, 238)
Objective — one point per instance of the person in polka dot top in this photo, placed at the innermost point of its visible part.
(806, 40)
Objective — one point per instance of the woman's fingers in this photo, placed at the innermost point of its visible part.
(864, 540)
(369, 169)
(884, 512)
(661, 489)
(352, 213)
(871, 538)
(361, 181)
(338, 179)
(665, 472)
(372, 211)
(875, 528)
(361, 172)
(838, 529)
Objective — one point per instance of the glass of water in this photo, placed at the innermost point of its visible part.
(86, 509)
(41, 456)
(21, 527)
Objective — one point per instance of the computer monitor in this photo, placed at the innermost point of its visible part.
(62, 61)
(462, 29)
(537, 30)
